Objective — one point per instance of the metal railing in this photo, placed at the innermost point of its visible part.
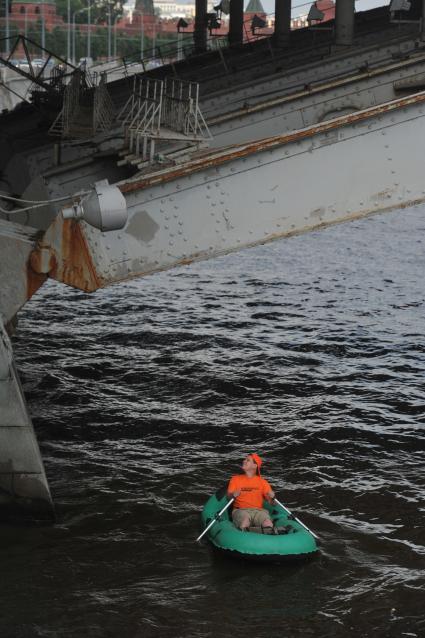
(166, 110)
(87, 107)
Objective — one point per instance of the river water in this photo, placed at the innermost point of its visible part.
(145, 397)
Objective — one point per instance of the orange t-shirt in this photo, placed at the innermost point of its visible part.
(253, 490)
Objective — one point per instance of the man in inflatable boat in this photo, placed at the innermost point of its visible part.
(249, 491)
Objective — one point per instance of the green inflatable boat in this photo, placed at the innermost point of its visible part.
(290, 540)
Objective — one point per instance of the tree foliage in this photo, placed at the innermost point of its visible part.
(99, 10)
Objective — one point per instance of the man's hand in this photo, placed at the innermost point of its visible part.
(271, 496)
(231, 495)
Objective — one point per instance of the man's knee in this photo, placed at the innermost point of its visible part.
(267, 523)
(244, 523)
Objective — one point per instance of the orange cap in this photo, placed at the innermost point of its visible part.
(257, 460)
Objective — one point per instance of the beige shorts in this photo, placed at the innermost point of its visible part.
(256, 517)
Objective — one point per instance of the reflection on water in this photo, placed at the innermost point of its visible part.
(146, 395)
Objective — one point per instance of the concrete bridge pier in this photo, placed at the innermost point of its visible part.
(344, 22)
(236, 22)
(282, 24)
(24, 491)
(200, 31)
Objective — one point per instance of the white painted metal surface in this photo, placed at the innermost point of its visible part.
(332, 67)
(241, 196)
(16, 286)
(317, 103)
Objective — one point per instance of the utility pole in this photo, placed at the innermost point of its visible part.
(68, 34)
(89, 29)
(109, 32)
(6, 8)
(43, 29)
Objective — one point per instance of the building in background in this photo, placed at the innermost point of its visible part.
(156, 19)
(26, 13)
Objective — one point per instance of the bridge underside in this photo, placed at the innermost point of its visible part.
(298, 143)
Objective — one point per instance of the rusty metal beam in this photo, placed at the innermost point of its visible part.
(253, 193)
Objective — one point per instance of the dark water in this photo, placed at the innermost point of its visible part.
(145, 396)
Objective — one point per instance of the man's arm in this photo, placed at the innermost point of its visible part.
(232, 489)
(269, 496)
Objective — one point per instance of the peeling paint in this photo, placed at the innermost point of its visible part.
(74, 264)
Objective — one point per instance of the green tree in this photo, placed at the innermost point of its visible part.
(99, 10)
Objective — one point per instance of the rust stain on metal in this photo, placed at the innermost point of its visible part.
(231, 153)
(74, 265)
(34, 280)
(42, 260)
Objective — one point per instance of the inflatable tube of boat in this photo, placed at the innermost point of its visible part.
(290, 540)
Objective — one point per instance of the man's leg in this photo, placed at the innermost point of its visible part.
(262, 518)
(241, 519)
